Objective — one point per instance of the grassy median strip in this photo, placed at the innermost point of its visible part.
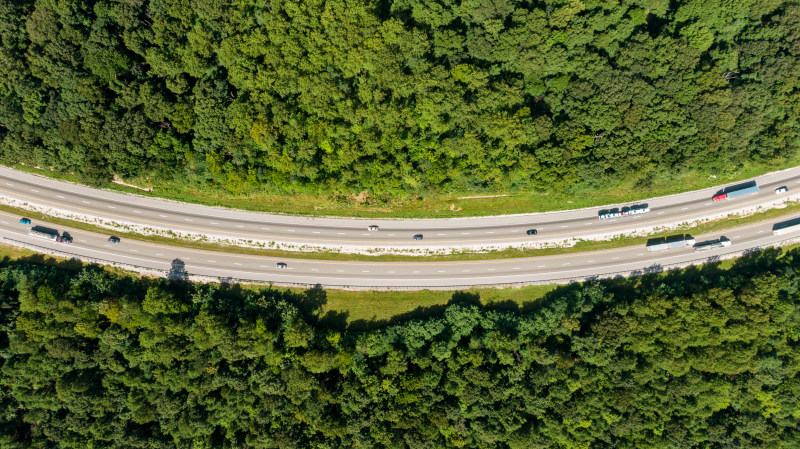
(581, 246)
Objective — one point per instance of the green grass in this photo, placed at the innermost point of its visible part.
(438, 205)
(361, 309)
(368, 309)
(712, 226)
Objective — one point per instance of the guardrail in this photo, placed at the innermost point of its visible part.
(655, 268)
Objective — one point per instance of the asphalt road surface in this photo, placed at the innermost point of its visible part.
(334, 273)
(353, 233)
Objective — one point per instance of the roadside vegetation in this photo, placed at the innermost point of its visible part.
(698, 357)
(580, 246)
(371, 108)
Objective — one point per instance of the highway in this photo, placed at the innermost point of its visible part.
(413, 275)
(352, 234)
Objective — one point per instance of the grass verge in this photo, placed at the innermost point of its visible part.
(441, 205)
(711, 226)
(360, 309)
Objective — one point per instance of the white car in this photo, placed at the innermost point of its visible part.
(780, 190)
(372, 228)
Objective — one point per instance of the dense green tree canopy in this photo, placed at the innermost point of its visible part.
(397, 96)
(705, 358)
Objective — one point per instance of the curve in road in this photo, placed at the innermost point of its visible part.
(397, 275)
(352, 235)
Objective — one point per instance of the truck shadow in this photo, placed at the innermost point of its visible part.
(45, 229)
(786, 224)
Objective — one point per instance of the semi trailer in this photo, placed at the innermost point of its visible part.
(735, 193)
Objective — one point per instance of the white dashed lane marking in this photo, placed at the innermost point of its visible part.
(188, 219)
(112, 207)
(237, 263)
(565, 226)
(34, 190)
(85, 202)
(214, 223)
(9, 184)
(137, 212)
(162, 215)
(59, 196)
(315, 232)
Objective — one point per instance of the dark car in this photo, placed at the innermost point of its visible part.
(25, 220)
(64, 239)
(418, 237)
(113, 239)
(280, 265)
(532, 232)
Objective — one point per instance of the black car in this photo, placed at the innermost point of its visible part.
(280, 265)
(64, 239)
(532, 232)
(113, 239)
(418, 237)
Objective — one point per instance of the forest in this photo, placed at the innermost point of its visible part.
(701, 358)
(397, 96)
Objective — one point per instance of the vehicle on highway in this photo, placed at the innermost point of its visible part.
(711, 244)
(113, 239)
(64, 239)
(372, 228)
(43, 234)
(780, 190)
(736, 191)
(280, 265)
(418, 237)
(661, 244)
(25, 221)
(532, 232)
(636, 209)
